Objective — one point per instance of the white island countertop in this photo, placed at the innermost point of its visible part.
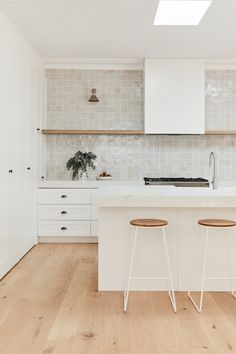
(165, 196)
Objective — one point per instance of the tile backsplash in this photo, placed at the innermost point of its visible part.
(221, 100)
(121, 107)
(120, 94)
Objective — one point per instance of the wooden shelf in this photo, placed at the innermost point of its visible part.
(122, 132)
(220, 132)
(94, 132)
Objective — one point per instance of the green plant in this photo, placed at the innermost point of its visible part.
(80, 162)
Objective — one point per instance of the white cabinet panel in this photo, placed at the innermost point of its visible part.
(94, 228)
(3, 163)
(27, 152)
(174, 96)
(64, 196)
(13, 206)
(94, 212)
(19, 87)
(61, 212)
(66, 228)
(93, 194)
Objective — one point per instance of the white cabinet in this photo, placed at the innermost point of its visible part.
(94, 212)
(64, 196)
(21, 73)
(174, 96)
(64, 228)
(66, 212)
(94, 228)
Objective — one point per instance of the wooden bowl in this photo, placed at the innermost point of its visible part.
(107, 178)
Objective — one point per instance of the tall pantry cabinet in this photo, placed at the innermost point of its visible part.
(21, 102)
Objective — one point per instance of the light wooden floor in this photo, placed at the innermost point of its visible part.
(49, 304)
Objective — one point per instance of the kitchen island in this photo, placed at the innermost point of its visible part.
(181, 207)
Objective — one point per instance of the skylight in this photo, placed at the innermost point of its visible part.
(181, 12)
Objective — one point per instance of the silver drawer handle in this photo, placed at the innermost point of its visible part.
(63, 196)
(63, 228)
(63, 212)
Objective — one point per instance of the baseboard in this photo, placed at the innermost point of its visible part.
(68, 239)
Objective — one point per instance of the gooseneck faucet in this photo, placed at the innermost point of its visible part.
(212, 158)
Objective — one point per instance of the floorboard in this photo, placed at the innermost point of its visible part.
(49, 304)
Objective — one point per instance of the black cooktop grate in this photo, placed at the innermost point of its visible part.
(199, 181)
(175, 179)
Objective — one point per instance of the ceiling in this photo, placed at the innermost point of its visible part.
(80, 29)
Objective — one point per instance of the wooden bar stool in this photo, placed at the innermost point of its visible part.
(149, 223)
(213, 223)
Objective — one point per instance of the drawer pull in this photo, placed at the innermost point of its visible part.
(63, 212)
(63, 228)
(63, 196)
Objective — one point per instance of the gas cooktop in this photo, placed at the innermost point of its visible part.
(177, 181)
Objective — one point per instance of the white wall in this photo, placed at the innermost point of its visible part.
(21, 85)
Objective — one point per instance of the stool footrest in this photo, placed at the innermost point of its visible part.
(220, 278)
(151, 278)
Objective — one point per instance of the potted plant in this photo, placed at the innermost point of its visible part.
(80, 162)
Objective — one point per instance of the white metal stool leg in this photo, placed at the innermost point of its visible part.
(171, 291)
(199, 307)
(229, 264)
(126, 293)
(157, 224)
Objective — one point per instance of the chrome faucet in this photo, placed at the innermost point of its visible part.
(214, 181)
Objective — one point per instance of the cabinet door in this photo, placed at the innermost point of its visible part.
(174, 96)
(64, 228)
(12, 153)
(64, 212)
(64, 196)
(24, 113)
(94, 228)
(3, 165)
(30, 164)
(18, 108)
(27, 156)
(9, 244)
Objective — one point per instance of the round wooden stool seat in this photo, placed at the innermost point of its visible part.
(148, 222)
(217, 222)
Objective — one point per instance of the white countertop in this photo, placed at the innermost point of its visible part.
(165, 196)
(83, 184)
(136, 194)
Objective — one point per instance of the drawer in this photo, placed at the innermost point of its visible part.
(94, 212)
(94, 228)
(66, 228)
(64, 196)
(93, 194)
(64, 212)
